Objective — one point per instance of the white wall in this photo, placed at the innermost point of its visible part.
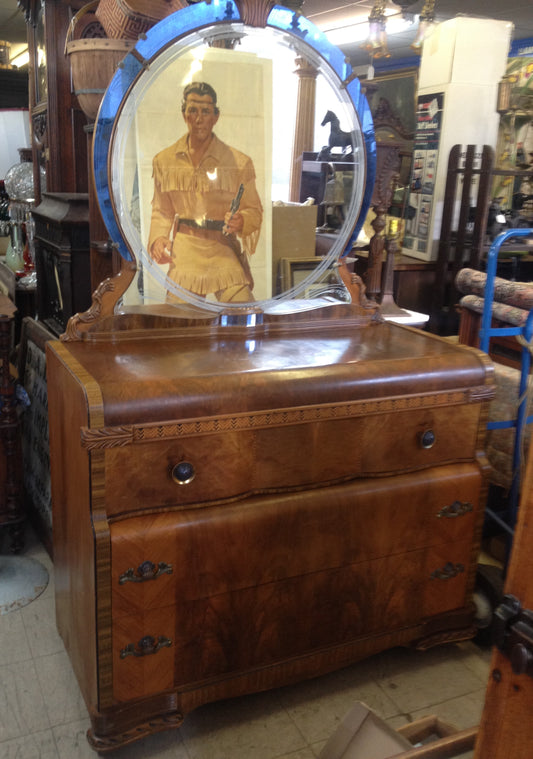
(14, 134)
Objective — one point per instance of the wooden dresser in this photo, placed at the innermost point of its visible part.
(240, 508)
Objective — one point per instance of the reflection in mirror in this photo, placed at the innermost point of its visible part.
(214, 194)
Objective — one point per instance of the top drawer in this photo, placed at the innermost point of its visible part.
(207, 460)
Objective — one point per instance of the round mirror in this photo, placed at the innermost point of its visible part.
(233, 163)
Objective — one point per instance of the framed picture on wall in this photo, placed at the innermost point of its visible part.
(295, 270)
(392, 100)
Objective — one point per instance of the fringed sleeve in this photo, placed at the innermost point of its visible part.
(162, 214)
(251, 209)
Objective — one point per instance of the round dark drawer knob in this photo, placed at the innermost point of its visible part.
(427, 439)
(183, 473)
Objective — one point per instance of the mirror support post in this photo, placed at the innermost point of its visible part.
(375, 254)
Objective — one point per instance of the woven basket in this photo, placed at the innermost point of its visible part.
(127, 19)
(93, 63)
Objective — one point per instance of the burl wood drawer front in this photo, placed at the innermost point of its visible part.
(235, 631)
(202, 552)
(204, 592)
(144, 653)
(139, 476)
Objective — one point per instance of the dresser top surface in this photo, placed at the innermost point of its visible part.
(191, 374)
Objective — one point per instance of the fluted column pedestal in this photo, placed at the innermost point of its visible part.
(304, 130)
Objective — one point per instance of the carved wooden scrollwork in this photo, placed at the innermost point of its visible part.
(104, 299)
(103, 438)
(384, 116)
(154, 725)
(40, 128)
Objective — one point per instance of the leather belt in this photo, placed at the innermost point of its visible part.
(215, 225)
(204, 234)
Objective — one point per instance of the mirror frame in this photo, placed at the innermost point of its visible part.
(307, 41)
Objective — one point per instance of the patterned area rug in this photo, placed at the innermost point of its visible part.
(22, 580)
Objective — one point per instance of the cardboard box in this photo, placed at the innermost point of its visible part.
(293, 235)
(364, 735)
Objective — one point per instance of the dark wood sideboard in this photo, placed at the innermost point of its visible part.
(12, 514)
(236, 509)
(62, 256)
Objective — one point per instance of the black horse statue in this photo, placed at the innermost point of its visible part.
(337, 138)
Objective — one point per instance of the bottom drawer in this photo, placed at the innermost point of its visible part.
(238, 631)
(262, 581)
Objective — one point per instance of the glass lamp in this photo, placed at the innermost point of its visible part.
(426, 25)
(19, 186)
(376, 42)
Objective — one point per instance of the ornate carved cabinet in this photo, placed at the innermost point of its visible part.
(63, 258)
(58, 139)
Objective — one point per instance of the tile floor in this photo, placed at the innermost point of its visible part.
(42, 714)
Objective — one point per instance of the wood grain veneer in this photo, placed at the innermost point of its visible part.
(316, 528)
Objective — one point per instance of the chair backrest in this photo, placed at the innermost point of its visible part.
(464, 224)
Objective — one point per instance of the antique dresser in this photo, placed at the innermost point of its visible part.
(245, 496)
(229, 517)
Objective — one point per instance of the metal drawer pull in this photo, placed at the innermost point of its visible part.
(455, 509)
(448, 571)
(146, 646)
(145, 571)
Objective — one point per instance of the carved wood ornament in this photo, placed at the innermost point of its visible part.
(104, 301)
(114, 437)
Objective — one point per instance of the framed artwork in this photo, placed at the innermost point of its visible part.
(243, 124)
(294, 271)
(392, 100)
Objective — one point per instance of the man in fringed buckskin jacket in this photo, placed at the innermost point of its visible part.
(206, 212)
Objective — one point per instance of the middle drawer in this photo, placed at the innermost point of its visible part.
(269, 538)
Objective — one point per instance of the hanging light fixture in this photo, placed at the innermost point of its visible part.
(405, 4)
(376, 42)
(426, 24)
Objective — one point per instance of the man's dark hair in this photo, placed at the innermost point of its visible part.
(199, 88)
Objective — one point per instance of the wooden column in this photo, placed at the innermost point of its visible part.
(387, 167)
(105, 260)
(304, 129)
(375, 254)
